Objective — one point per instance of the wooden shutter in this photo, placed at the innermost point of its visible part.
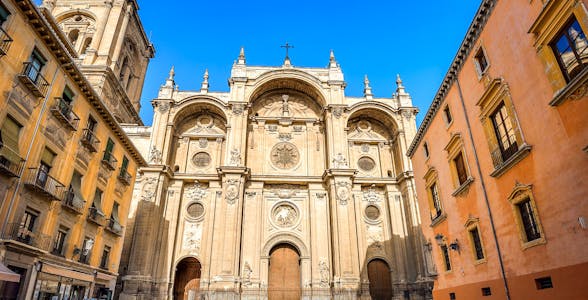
(10, 134)
(47, 157)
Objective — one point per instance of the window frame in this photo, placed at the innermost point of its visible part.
(471, 225)
(454, 148)
(521, 193)
(481, 72)
(432, 179)
(447, 116)
(446, 258)
(563, 32)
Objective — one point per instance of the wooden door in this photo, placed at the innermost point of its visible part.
(187, 279)
(284, 274)
(380, 281)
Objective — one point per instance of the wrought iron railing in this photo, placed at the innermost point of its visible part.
(20, 233)
(62, 110)
(89, 140)
(10, 161)
(40, 181)
(32, 78)
(5, 41)
(96, 216)
(73, 202)
(124, 177)
(499, 156)
(58, 249)
(114, 226)
(109, 161)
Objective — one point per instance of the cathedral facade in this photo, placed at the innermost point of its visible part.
(281, 188)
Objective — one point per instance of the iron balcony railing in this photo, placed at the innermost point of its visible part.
(89, 140)
(11, 163)
(73, 202)
(96, 216)
(32, 78)
(500, 156)
(5, 41)
(62, 111)
(114, 226)
(109, 161)
(58, 249)
(124, 177)
(40, 181)
(19, 233)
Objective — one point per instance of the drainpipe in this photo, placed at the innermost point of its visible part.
(485, 193)
(31, 143)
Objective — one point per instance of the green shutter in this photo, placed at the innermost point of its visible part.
(47, 157)
(68, 94)
(4, 13)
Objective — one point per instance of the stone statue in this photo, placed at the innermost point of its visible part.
(155, 156)
(324, 271)
(285, 106)
(247, 272)
(235, 157)
(340, 161)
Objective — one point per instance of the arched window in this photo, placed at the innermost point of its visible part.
(87, 43)
(73, 36)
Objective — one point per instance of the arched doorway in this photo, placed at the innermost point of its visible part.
(187, 279)
(380, 281)
(284, 273)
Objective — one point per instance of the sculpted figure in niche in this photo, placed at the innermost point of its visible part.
(285, 215)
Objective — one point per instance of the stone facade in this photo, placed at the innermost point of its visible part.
(283, 158)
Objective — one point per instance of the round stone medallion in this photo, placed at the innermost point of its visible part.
(366, 163)
(285, 215)
(201, 159)
(195, 210)
(372, 212)
(284, 155)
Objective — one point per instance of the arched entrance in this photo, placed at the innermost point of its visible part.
(380, 281)
(187, 279)
(284, 273)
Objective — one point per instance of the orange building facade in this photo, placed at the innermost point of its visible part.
(501, 158)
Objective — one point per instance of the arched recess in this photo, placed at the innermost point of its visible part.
(373, 148)
(187, 279)
(80, 24)
(380, 279)
(285, 130)
(198, 137)
(284, 274)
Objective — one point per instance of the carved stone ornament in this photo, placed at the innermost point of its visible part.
(321, 196)
(324, 271)
(285, 215)
(163, 107)
(298, 128)
(235, 157)
(272, 128)
(371, 195)
(203, 142)
(196, 192)
(232, 190)
(340, 161)
(407, 114)
(284, 155)
(284, 137)
(247, 273)
(155, 156)
(337, 112)
(375, 237)
(365, 148)
(192, 237)
(148, 189)
(342, 191)
(238, 108)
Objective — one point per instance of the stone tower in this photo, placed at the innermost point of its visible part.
(113, 49)
(281, 188)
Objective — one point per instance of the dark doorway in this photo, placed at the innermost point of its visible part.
(187, 278)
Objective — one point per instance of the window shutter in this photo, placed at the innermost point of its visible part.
(4, 13)
(47, 157)
(10, 133)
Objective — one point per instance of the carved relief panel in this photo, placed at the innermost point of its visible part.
(200, 144)
(285, 205)
(369, 147)
(194, 204)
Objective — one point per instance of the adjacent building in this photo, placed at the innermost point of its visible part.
(281, 188)
(501, 158)
(66, 166)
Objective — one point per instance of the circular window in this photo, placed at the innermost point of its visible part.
(195, 210)
(201, 159)
(366, 163)
(284, 155)
(372, 212)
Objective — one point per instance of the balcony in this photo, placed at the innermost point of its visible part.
(40, 181)
(11, 163)
(109, 161)
(21, 234)
(96, 216)
(32, 78)
(125, 177)
(89, 140)
(62, 111)
(5, 41)
(503, 160)
(114, 227)
(58, 250)
(73, 203)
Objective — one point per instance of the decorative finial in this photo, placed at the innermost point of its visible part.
(399, 87)
(204, 86)
(367, 89)
(287, 62)
(332, 60)
(170, 79)
(241, 60)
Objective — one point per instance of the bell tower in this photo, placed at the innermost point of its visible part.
(113, 49)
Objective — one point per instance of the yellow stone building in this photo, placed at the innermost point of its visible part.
(66, 167)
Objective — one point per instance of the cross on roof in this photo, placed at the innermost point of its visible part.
(287, 46)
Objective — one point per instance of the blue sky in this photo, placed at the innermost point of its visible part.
(416, 39)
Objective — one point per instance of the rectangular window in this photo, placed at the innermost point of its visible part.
(446, 260)
(37, 62)
(436, 201)
(9, 136)
(108, 151)
(59, 243)
(104, 259)
(477, 243)
(74, 196)
(505, 133)
(528, 220)
(447, 114)
(571, 49)
(462, 175)
(114, 214)
(486, 291)
(481, 61)
(27, 226)
(92, 124)
(44, 167)
(426, 149)
(4, 13)
(452, 296)
(124, 166)
(543, 283)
